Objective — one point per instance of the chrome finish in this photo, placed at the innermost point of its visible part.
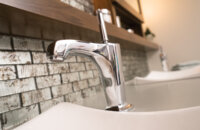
(102, 26)
(110, 70)
(107, 57)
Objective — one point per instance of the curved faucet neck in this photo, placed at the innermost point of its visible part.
(107, 57)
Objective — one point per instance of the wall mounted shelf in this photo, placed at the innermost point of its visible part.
(54, 14)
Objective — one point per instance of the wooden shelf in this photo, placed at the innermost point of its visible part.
(129, 9)
(30, 11)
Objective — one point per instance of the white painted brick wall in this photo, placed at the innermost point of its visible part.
(70, 77)
(48, 81)
(96, 73)
(65, 1)
(94, 82)
(16, 86)
(27, 44)
(36, 96)
(74, 67)
(14, 57)
(89, 92)
(32, 70)
(9, 103)
(90, 66)
(86, 75)
(80, 85)
(7, 72)
(70, 59)
(75, 97)
(40, 57)
(48, 104)
(58, 68)
(77, 5)
(82, 59)
(61, 90)
(14, 118)
(5, 43)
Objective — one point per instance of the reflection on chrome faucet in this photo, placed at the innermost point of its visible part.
(107, 57)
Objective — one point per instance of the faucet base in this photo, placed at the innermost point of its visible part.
(126, 107)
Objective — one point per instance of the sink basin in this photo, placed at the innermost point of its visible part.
(66, 116)
(172, 105)
(159, 76)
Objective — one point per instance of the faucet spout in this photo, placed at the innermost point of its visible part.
(108, 63)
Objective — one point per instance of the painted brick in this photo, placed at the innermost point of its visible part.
(32, 70)
(78, 85)
(36, 96)
(99, 88)
(48, 104)
(48, 81)
(9, 103)
(61, 90)
(94, 82)
(14, 118)
(82, 59)
(16, 86)
(76, 67)
(75, 97)
(77, 5)
(7, 72)
(27, 44)
(96, 73)
(70, 59)
(5, 43)
(65, 1)
(70, 77)
(14, 57)
(46, 44)
(88, 92)
(40, 57)
(58, 68)
(90, 66)
(86, 75)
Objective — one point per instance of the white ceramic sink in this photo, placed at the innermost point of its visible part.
(160, 76)
(66, 116)
(164, 106)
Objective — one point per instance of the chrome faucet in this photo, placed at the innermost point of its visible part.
(106, 56)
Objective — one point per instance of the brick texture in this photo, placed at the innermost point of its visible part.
(80, 85)
(15, 57)
(58, 68)
(70, 77)
(40, 57)
(9, 103)
(90, 66)
(5, 43)
(48, 104)
(61, 90)
(27, 44)
(76, 67)
(14, 118)
(31, 70)
(7, 72)
(32, 97)
(94, 82)
(86, 75)
(48, 81)
(16, 86)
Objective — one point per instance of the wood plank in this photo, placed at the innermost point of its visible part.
(130, 9)
(63, 13)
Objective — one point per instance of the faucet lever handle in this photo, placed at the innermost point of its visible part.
(102, 26)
